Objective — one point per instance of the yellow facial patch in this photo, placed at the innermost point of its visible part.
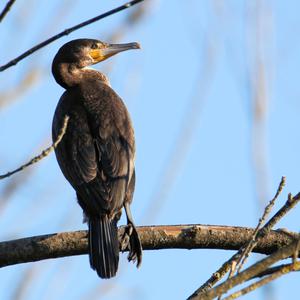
(97, 54)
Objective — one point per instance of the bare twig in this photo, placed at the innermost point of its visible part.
(271, 270)
(215, 277)
(289, 204)
(66, 32)
(44, 153)
(6, 9)
(152, 237)
(250, 272)
(247, 250)
(281, 271)
(221, 272)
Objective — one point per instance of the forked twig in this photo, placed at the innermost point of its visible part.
(221, 272)
(253, 242)
(277, 272)
(250, 272)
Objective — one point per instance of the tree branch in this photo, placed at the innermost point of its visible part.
(44, 153)
(66, 32)
(152, 237)
(264, 231)
(282, 270)
(282, 253)
(6, 9)
(261, 230)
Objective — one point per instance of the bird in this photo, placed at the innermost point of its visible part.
(97, 152)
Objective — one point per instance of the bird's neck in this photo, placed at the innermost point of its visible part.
(69, 75)
(91, 74)
(66, 75)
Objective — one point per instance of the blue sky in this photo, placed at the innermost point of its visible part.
(190, 92)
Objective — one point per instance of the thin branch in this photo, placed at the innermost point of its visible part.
(272, 270)
(222, 271)
(247, 250)
(281, 271)
(44, 153)
(66, 32)
(152, 237)
(257, 268)
(6, 9)
(289, 204)
(216, 276)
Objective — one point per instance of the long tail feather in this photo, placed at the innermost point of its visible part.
(103, 246)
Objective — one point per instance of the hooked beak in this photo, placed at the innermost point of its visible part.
(109, 50)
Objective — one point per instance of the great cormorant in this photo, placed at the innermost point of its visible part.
(96, 154)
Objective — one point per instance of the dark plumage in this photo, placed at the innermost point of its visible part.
(96, 154)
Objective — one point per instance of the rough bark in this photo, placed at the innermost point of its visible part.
(153, 238)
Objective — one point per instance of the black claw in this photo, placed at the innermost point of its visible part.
(125, 241)
(135, 246)
(131, 241)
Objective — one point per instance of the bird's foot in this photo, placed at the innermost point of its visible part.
(125, 239)
(131, 241)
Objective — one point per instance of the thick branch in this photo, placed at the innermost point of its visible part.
(152, 237)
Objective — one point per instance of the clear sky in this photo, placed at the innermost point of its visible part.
(214, 98)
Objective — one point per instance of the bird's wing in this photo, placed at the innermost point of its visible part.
(114, 140)
(96, 155)
(76, 152)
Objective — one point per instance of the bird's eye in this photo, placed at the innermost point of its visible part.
(94, 46)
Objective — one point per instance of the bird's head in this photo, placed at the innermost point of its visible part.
(86, 52)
